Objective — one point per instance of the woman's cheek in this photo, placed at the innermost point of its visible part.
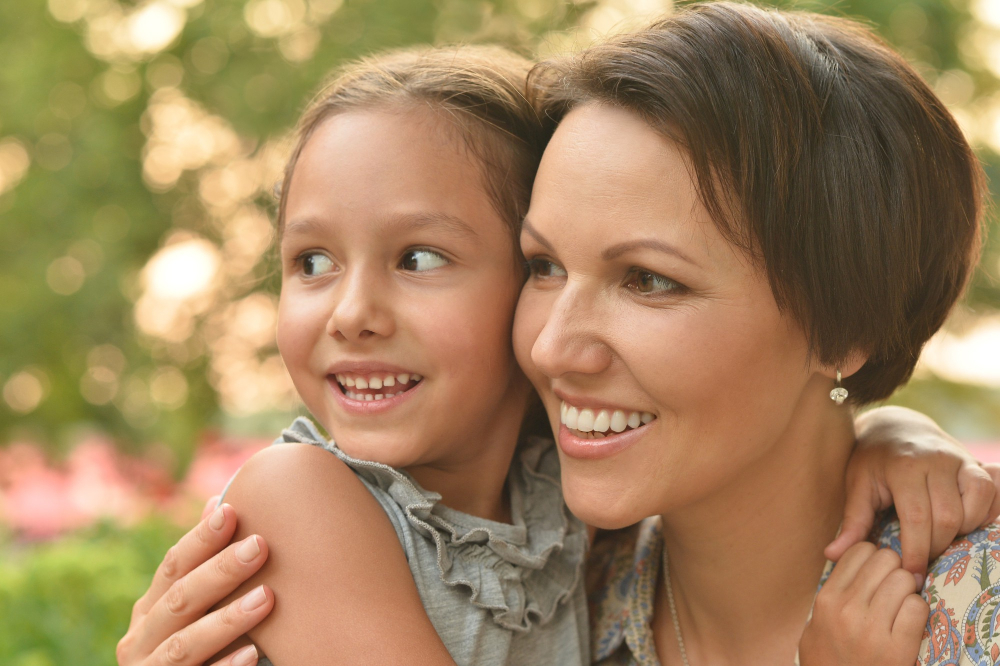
(529, 320)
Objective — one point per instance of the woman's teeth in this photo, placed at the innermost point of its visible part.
(586, 421)
(404, 380)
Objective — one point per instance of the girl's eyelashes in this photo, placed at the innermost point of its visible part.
(314, 264)
(422, 259)
(544, 269)
(649, 283)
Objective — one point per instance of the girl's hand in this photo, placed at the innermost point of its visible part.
(866, 614)
(939, 489)
(169, 625)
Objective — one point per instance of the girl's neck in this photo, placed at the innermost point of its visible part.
(745, 561)
(472, 476)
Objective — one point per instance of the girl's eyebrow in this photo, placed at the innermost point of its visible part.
(391, 224)
(444, 222)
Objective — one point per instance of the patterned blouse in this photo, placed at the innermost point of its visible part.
(962, 588)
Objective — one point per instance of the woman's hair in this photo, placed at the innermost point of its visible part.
(479, 89)
(819, 152)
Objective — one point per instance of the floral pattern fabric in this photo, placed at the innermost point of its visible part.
(962, 589)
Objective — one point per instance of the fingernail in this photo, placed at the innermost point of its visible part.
(254, 599)
(248, 550)
(920, 581)
(218, 519)
(245, 657)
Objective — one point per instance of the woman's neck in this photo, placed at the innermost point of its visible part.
(745, 561)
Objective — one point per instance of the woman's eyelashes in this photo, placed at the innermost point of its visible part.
(649, 283)
(543, 269)
(422, 259)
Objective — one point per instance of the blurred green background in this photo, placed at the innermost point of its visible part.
(139, 146)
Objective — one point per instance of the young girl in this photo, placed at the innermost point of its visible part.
(397, 227)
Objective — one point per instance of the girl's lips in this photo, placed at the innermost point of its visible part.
(369, 407)
(596, 449)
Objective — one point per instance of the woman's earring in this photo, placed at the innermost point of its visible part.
(839, 394)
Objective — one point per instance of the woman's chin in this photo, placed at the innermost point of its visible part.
(600, 504)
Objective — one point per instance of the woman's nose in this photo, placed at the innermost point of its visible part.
(570, 341)
(361, 310)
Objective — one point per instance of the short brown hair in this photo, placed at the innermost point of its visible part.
(479, 88)
(818, 151)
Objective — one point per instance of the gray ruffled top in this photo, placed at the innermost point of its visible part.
(496, 593)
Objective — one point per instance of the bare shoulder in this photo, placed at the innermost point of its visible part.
(343, 589)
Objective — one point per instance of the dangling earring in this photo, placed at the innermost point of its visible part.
(839, 394)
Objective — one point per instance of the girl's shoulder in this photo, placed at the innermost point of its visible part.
(963, 590)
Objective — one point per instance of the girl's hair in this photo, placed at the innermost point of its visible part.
(479, 89)
(818, 151)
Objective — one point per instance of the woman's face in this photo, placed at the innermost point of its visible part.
(637, 304)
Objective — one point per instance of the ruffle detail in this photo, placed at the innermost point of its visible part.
(519, 572)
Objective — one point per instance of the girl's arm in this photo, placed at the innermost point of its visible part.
(346, 592)
(938, 488)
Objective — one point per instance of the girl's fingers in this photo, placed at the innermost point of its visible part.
(205, 540)
(211, 582)
(978, 493)
(947, 513)
(913, 506)
(197, 642)
(908, 629)
(993, 469)
(850, 564)
(859, 516)
(897, 585)
(244, 657)
(872, 574)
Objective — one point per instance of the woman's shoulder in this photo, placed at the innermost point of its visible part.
(963, 590)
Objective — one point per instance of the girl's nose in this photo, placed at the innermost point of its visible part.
(360, 311)
(571, 341)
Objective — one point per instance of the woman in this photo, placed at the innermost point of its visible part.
(724, 461)
(794, 215)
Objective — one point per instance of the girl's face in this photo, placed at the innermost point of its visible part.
(399, 283)
(638, 307)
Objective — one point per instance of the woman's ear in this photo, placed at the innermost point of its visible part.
(853, 362)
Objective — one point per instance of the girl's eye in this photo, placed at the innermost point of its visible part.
(315, 264)
(647, 282)
(421, 260)
(543, 268)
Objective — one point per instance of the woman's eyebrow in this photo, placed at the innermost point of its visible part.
(531, 231)
(618, 250)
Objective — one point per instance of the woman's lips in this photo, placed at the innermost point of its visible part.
(584, 446)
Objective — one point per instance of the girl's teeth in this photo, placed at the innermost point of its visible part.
(618, 421)
(348, 381)
(361, 383)
(389, 381)
(586, 421)
(403, 378)
(375, 383)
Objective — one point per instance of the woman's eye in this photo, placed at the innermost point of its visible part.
(647, 282)
(543, 268)
(314, 264)
(421, 260)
